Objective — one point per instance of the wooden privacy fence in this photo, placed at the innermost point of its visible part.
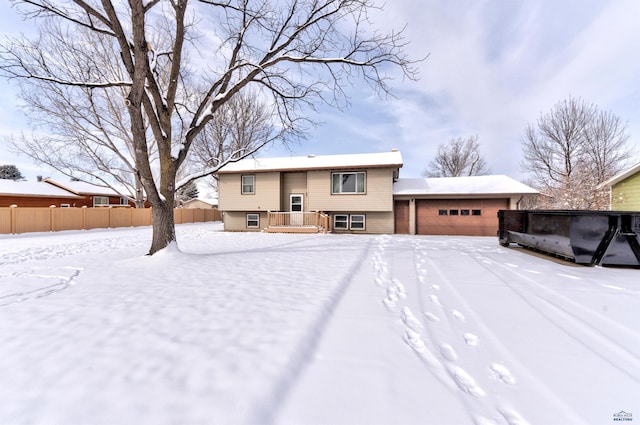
(24, 220)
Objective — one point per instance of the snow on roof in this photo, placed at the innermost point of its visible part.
(620, 176)
(472, 185)
(311, 162)
(79, 187)
(40, 189)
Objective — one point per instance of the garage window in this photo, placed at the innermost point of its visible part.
(453, 212)
(442, 212)
(464, 212)
(476, 212)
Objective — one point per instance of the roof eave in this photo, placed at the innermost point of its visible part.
(298, 169)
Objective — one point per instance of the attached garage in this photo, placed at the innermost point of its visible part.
(455, 205)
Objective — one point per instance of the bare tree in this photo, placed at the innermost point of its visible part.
(86, 132)
(243, 123)
(571, 150)
(298, 53)
(459, 157)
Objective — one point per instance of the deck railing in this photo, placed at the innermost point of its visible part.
(315, 219)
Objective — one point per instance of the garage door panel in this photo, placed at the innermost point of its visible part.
(431, 221)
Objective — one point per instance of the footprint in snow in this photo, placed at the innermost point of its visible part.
(391, 299)
(435, 287)
(410, 320)
(512, 417)
(434, 299)
(432, 317)
(458, 315)
(466, 382)
(503, 373)
(471, 339)
(448, 352)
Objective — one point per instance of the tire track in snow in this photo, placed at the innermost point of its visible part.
(586, 326)
(501, 351)
(267, 412)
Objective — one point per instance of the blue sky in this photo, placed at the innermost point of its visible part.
(493, 67)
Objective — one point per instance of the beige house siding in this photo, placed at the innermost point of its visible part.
(625, 195)
(293, 183)
(266, 194)
(378, 196)
(236, 221)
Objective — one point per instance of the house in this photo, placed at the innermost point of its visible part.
(455, 205)
(360, 194)
(48, 192)
(92, 195)
(624, 190)
(341, 193)
(35, 194)
(200, 203)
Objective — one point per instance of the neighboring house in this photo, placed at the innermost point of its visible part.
(455, 205)
(35, 194)
(624, 190)
(93, 196)
(200, 203)
(341, 193)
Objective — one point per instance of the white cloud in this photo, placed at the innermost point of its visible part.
(493, 67)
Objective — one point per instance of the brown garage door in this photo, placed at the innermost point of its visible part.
(401, 214)
(469, 217)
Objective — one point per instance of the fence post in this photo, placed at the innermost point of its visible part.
(51, 218)
(13, 220)
(84, 217)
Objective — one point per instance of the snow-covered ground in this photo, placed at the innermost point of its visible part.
(253, 328)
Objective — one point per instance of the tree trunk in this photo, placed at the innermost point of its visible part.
(164, 230)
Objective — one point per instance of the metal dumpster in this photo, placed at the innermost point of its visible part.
(607, 238)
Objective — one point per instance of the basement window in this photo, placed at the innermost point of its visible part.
(341, 221)
(357, 222)
(253, 221)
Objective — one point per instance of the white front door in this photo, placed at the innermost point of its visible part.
(296, 207)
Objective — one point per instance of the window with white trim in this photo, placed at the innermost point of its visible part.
(248, 184)
(341, 221)
(348, 222)
(348, 182)
(253, 221)
(100, 201)
(356, 222)
(124, 201)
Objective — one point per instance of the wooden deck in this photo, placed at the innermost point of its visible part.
(297, 222)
